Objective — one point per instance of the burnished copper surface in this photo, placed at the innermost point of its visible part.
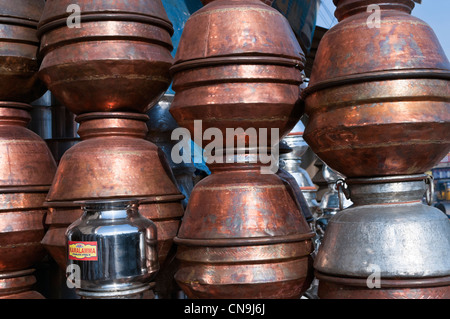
(331, 287)
(243, 236)
(378, 98)
(118, 60)
(25, 159)
(19, 44)
(18, 285)
(113, 160)
(238, 64)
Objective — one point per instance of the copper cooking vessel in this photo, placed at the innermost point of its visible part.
(19, 45)
(27, 169)
(117, 60)
(238, 65)
(243, 235)
(378, 97)
(113, 160)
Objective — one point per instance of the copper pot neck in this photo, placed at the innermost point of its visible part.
(242, 159)
(13, 113)
(100, 124)
(268, 2)
(347, 8)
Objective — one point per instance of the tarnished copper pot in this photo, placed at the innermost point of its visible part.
(27, 169)
(18, 50)
(387, 245)
(238, 64)
(378, 97)
(117, 59)
(243, 236)
(113, 160)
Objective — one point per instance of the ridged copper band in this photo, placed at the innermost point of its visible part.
(18, 21)
(142, 200)
(112, 115)
(14, 274)
(377, 76)
(230, 242)
(236, 59)
(16, 105)
(387, 283)
(107, 17)
(25, 189)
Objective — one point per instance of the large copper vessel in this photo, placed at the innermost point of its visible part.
(27, 169)
(113, 160)
(388, 244)
(238, 64)
(19, 46)
(378, 98)
(243, 235)
(117, 59)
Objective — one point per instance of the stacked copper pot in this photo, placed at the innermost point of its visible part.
(378, 106)
(26, 164)
(109, 70)
(243, 235)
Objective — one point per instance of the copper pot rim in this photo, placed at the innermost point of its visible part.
(407, 282)
(24, 189)
(386, 179)
(16, 105)
(46, 26)
(238, 59)
(406, 5)
(18, 273)
(112, 115)
(385, 75)
(19, 21)
(142, 199)
(243, 241)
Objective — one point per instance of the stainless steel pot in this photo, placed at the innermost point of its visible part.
(115, 249)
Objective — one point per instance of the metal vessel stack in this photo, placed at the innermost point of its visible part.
(243, 234)
(378, 107)
(109, 71)
(27, 167)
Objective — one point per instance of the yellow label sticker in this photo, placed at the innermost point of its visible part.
(83, 250)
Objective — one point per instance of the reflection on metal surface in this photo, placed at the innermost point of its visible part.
(115, 248)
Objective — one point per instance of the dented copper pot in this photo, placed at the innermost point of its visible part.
(117, 60)
(238, 64)
(18, 50)
(378, 97)
(113, 160)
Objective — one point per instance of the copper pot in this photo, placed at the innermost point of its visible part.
(117, 60)
(378, 96)
(238, 64)
(113, 160)
(19, 45)
(243, 236)
(27, 169)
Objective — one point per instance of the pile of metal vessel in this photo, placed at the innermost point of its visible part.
(378, 116)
